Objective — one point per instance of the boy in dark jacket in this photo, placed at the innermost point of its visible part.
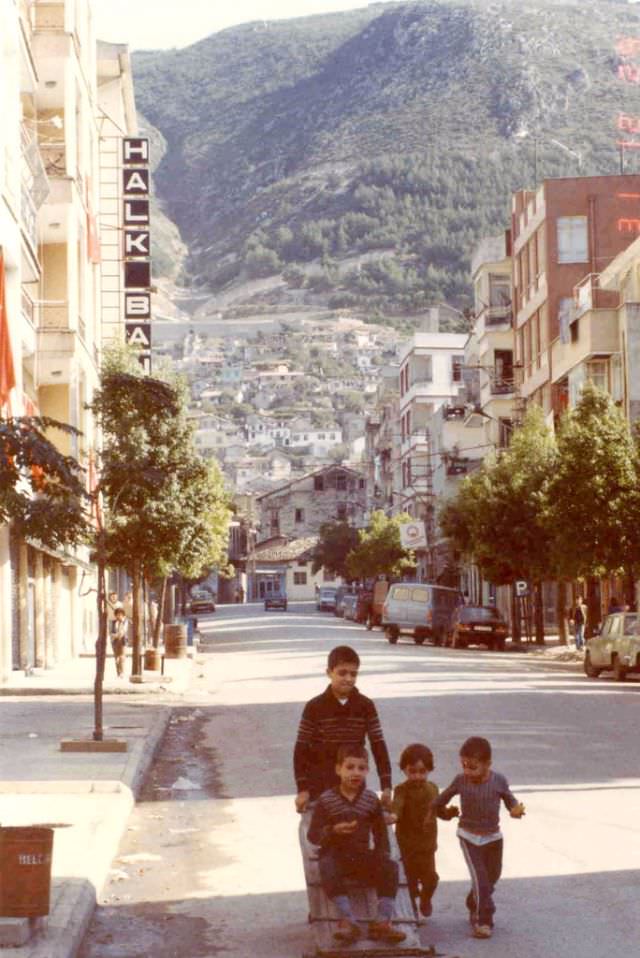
(340, 716)
(343, 820)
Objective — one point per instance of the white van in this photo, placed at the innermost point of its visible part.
(420, 608)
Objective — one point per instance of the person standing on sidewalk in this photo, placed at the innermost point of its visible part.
(579, 622)
(119, 640)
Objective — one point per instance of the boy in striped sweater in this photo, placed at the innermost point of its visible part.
(344, 818)
(481, 790)
(340, 716)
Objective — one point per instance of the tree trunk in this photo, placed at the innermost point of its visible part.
(593, 606)
(539, 613)
(101, 653)
(136, 586)
(160, 614)
(516, 632)
(561, 611)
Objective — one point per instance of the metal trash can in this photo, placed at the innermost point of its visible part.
(191, 623)
(25, 871)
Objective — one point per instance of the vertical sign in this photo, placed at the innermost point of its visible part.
(137, 247)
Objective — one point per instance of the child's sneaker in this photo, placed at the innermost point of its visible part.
(384, 931)
(482, 931)
(347, 931)
(425, 906)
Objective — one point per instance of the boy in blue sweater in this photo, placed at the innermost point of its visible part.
(481, 790)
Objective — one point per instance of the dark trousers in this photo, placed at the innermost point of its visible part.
(117, 644)
(420, 869)
(368, 868)
(485, 867)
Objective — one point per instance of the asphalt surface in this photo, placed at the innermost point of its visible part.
(210, 863)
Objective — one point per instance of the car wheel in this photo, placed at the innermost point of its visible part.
(369, 623)
(419, 637)
(589, 669)
(439, 637)
(392, 634)
(619, 671)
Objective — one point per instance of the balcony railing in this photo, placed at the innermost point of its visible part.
(499, 387)
(54, 156)
(498, 315)
(49, 15)
(29, 217)
(27, 306)
(54, 314)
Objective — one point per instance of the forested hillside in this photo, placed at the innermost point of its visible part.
(356, 158)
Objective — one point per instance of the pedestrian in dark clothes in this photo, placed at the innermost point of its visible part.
(340, 716)
(481, 790)
(344, 820)
(416, 825)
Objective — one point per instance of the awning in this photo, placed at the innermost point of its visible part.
(66, 558)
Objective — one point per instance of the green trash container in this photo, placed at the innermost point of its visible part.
(25, 871)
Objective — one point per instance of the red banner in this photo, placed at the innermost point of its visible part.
(7, 372)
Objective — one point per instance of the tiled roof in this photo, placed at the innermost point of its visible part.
(283, 551)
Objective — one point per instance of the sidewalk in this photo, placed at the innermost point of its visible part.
(87, 796)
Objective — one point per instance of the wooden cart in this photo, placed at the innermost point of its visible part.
(323, 916)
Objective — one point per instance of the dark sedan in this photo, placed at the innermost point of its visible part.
(477, 625)
(275, 600)
(202, 602)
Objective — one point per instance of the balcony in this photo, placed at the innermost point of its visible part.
(597, 335)
(49, 16)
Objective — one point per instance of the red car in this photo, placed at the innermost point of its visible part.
(477, 625)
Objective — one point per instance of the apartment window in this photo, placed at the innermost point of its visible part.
(342, 512)
(503, 365)
(341, 482)
(274, 522)
(360, 483)
(505, 429)
(573, 243)
(320, 436)
(456, 368)
(299, 515)
(598, 373)
(499, 291)
(318, 483)
(299, 578)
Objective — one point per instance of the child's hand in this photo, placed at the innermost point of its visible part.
(345, 828)
(517, 811)
(386, 799)
(452, 811)
(302, 800)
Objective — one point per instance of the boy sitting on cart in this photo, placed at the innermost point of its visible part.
(344, 818)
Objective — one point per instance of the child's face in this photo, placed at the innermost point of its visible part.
(475, 769)
(418, 772)
(352, 772)
(343, 678)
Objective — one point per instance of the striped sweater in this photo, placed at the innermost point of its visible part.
(333, 807)
(326, 724)
(479, 802)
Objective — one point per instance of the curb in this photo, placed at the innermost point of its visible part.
(63, 933)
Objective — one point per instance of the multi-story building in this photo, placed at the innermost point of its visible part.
(489, 349)
(563, 233)
(431, 375)
(300, 507)
(49, 200)
(382, 443)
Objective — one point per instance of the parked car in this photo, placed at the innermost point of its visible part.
(616, 648)
(202, 601)
(275, 600)
(326, 599)
(341, 594)
(477, 624)
(349, 602)
(420, 608)
(378, 595)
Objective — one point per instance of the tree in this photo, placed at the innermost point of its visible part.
(337, 539)
(498, 516)
(165, 507)
(42, 491)
(379, 550)
(592, 495)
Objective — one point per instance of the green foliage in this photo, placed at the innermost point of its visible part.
(498, 515)
(337, 539)
(42, 491)
(592, 495)
(265, 127)
(379, 550)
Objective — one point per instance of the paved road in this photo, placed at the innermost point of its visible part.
(216, 868)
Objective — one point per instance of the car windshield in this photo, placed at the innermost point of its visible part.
(472, 613)
(632, 625)
(329, 592)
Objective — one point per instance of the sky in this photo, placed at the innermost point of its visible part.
(156, 24)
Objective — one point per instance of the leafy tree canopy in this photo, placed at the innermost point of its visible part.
(337, 539)
(379, 550)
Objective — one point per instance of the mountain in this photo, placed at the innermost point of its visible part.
(355, 159)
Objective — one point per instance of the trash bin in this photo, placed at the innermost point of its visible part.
(191, 623)
(152, 660)
(25, 871)
(175, 641)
